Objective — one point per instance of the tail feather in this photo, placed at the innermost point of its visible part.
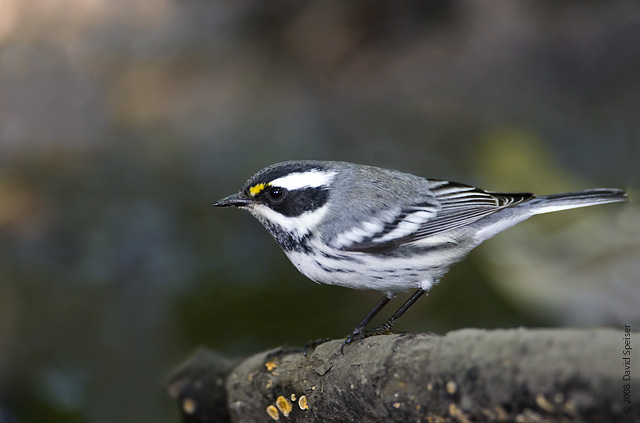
(571, 200)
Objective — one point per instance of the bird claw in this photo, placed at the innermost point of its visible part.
(360, 335)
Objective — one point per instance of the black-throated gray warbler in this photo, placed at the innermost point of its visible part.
(365, 227)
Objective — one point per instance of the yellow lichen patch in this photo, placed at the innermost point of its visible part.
(570, 408)
(269, 384)
(270, 365)
(455, 412)
(293, 397)
(283, 405)
(501, 413)
(302, 403)
(189, 406)
(542, 402)
(273, 412)
(451, 387)
(397, 404)
(256, 189)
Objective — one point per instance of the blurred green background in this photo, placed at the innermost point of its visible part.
(122, 121)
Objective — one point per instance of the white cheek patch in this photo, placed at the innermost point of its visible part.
(298, 226)
(300, 180)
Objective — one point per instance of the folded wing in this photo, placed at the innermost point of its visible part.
(455, 206)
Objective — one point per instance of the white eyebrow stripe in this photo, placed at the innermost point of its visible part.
(309, 179)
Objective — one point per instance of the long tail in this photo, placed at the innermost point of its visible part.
(571, 200)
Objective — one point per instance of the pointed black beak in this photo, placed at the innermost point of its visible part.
(235, 200)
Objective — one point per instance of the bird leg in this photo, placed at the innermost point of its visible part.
(371, 314)
(359, 333)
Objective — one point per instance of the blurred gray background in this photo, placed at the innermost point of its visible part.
(122, 121)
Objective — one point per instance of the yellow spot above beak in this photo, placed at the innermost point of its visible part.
(256, 189)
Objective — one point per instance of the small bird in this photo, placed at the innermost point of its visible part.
(365, 227)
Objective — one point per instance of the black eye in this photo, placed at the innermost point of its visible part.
(276, 193)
